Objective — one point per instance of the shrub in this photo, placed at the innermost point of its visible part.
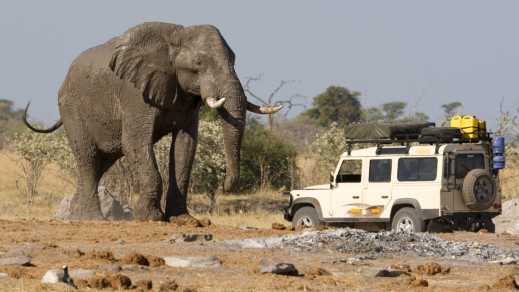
(266, 161)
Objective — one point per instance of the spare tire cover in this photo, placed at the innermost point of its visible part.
(479, 189)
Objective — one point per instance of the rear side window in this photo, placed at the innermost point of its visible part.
(350, 171)
(380, 170)
(417, 169)
(468, 162)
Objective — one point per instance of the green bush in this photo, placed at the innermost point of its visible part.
(266, 160)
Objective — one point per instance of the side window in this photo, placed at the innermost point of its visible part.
(380, 170)
(417, 169)
(350, 171)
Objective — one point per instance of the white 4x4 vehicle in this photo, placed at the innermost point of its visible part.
(405, 188)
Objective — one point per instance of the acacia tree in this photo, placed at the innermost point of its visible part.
(449, 110)
(336, 104)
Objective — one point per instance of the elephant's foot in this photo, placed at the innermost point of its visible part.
(148, 212)
(85, 210)
(185, 220)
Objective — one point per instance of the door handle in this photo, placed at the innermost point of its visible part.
(385, 197)
(355, 197)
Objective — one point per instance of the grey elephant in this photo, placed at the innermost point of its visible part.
(121, 97)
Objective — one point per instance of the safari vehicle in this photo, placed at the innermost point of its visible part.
(436, 177)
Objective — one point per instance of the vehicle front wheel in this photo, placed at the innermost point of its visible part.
(407, 220)
(305, 217)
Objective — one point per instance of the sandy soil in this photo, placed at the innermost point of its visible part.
(51, 244)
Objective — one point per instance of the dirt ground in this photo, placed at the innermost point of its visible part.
(52, 244)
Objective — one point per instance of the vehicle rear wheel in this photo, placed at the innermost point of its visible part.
(305, 217)
(407, 220)
(479, 191)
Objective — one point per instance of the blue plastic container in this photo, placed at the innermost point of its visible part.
(498, 162)
(498, 145)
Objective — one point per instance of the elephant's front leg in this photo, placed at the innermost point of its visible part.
(182, 154)
(144, 164)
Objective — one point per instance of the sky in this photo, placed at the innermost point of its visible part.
(426, 53)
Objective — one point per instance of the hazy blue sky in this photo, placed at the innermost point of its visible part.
(424, 52)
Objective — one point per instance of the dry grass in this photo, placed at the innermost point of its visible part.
(13, 203)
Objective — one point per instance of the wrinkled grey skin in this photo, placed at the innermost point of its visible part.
(121, 97)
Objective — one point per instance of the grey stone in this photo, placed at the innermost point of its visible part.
(279, 268)
(53, 276)
(197, 237)
(355, 241)
(81, 273)
(15, 261)
(387, 272)
(192, 262)
(506, 261)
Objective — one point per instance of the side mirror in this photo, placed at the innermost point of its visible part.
(332, 184)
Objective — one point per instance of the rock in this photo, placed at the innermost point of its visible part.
(418, 282)
(279, 268)
(3, 275)
(98, 282)
(168, 286)
(111, 207)
(23, 261)
(196, 237)
(506, 261)
(192, 262)
(432, 269)
(120, 282)
(81, 273)
(388, 272)
(136, 259)
(53, 276)
(278, 226)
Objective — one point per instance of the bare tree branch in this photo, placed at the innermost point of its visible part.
(272, 98)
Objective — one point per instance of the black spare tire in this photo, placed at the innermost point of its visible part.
(479, 189)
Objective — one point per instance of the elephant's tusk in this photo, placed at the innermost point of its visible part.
(213, 103)
(263, 110)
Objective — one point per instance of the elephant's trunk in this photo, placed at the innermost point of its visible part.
(233, 114)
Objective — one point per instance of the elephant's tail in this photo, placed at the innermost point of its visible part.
(49, 130)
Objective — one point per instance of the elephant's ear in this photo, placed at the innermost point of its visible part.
(142, 56)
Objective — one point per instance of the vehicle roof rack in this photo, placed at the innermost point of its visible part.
(405, 143)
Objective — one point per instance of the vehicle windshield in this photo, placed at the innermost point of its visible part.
(468, 162)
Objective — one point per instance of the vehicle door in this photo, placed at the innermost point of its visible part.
(379, 187)
(348, 188)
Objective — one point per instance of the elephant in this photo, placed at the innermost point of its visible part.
(121, 97)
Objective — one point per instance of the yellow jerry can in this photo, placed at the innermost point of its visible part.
(470, 126)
